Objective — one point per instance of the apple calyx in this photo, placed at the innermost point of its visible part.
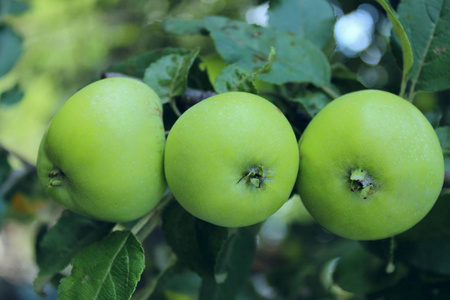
(255, 176)
(56, 178)
(361, 182)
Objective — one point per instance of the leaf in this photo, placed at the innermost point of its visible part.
(168, 75)
(195, 242)
(5, 170)
(360, 272)
(10, 49)
(176, 280)
(401, 35)
(136, 66)
(435, 224)
(63, 241)
(443, 134)
(232, 267)
(416, 286)
(341, 71)
(297, 59)
(427, 244)
(108, 270)
(184, 27)
(427, 24)
(11, 96)
(12, 7)
(5, 167)
(311, 19)
(267, 67)
(312, 101)
(198, 77)
(234, 78)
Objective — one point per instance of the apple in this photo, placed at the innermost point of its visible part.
(102, 155)
(371, 166)
(232, 159)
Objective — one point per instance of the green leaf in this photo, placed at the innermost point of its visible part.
(416, 286)
(267, 67)
(168, 75)
(11, 96)
(443, 134)
(5, 168)
(232, 267)
(427, 24)
(136, 66)
(234, 78)
(195, 242)
(297, 59)
(436, 223)
(427, 244)
(341, 71)
(10, 49)
(312, 101)
(184, 27)
(360, 272)
(175, 279)
(109, 269)
(311, 19)
(12, 7)
(63, 241)
(401, 35)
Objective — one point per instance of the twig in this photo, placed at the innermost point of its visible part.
(403, 86)
(148, 290)
(330, 92)
(174, 107)
(149, 222)
(390, 268)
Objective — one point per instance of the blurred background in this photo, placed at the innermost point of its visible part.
(67, 44)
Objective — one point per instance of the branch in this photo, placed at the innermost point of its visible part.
(174, 107)
(149, 222)
(330, 92)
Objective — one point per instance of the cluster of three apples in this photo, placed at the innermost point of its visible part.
(233, 159)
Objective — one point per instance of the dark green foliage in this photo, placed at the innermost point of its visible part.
(195, 242)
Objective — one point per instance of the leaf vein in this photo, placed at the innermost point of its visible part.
(108, 271)
(426, 49)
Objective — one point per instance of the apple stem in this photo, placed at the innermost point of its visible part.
(390, 268)
(361, 182)
(254, 177)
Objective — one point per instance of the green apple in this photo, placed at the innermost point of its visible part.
(371, 166)
(102, 155)
(232, 159)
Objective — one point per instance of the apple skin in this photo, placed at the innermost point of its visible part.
(216, 143)
(102, 155)
(393, 142)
